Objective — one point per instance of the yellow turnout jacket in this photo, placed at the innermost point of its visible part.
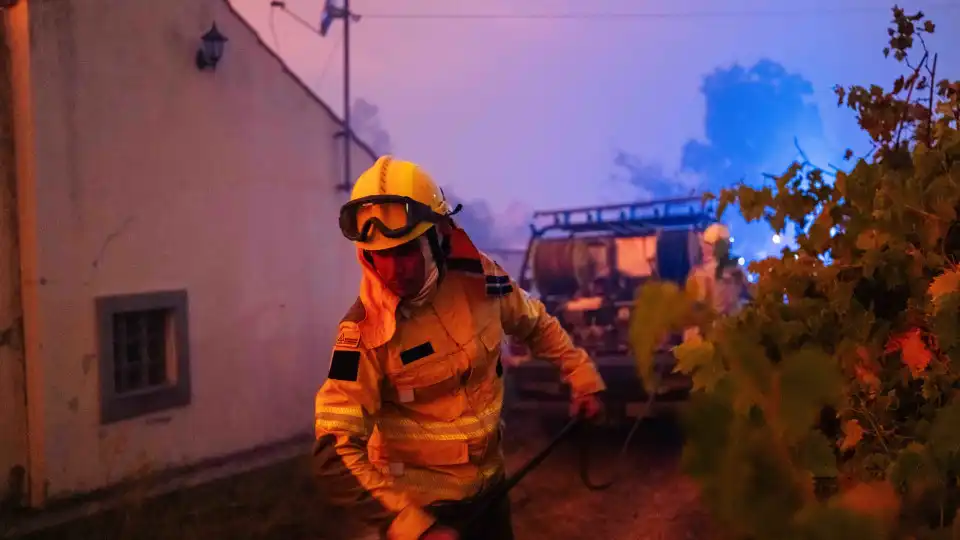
(410, 412)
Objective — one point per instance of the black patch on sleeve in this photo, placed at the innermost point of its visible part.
(498, 280)
(416, 353)
(499, 289)
(345, 366)
(472, 266)
(499, 368)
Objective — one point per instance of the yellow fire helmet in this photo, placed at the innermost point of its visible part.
(393, 202)
(715, 233)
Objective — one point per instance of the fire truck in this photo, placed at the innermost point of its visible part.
(585, 265)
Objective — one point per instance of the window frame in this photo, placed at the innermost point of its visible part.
(116, 407)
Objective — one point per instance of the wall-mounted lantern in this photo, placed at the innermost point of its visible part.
(211, 48)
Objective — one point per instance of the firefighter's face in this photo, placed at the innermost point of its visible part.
(402, 269)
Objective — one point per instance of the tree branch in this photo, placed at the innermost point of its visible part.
(932, 104)
(906, 106)
(807, 163)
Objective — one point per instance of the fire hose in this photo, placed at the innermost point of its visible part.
(503, 489)
(575, 425)
(621, 456)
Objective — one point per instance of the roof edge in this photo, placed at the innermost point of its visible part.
(300, 82)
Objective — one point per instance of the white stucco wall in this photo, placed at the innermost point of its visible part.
(152, 175)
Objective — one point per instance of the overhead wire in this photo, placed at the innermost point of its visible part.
(279, 4)
(622, 15)
(634, 15)
(282, 6)
(329, 60)
(273, 30)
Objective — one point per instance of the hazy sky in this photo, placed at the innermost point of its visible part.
(534, 109)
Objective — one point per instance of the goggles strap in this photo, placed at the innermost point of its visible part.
(439, 257)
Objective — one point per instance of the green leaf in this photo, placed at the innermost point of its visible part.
(944, 439)
(815, 454)
(660, 309)
(693, 354)
(809, 381)
(872, 239)
(911, 467)
(706, 420)
(947, 283)
(698, 359)
(945, 323)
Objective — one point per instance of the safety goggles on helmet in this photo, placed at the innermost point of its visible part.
(393, 216)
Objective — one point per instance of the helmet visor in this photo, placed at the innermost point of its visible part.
(392, 216)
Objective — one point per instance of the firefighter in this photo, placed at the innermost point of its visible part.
(718, 281)
(408, 426)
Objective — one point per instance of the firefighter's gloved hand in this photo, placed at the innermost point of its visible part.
(589, 405)
(439, 532)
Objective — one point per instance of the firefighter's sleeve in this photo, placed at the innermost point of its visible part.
(697, 285)
(345, 409)
(526, 319)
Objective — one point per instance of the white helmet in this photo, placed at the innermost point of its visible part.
(715, 233)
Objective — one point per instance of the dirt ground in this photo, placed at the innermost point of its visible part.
(651, 499)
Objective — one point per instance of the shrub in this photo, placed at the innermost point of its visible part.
(829, 407)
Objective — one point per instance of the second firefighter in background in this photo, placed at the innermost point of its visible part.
(408, 422)
(719, 281)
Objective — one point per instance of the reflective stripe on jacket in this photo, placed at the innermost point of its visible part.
(411, 407)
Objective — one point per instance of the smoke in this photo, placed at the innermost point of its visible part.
(486, 228)
(365, 122)
(490, 230)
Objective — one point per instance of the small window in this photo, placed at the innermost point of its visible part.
(144, 354)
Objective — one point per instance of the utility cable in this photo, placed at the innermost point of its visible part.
(634, 15)
(623, 15)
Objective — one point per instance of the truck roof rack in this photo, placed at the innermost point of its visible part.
(627, 218)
